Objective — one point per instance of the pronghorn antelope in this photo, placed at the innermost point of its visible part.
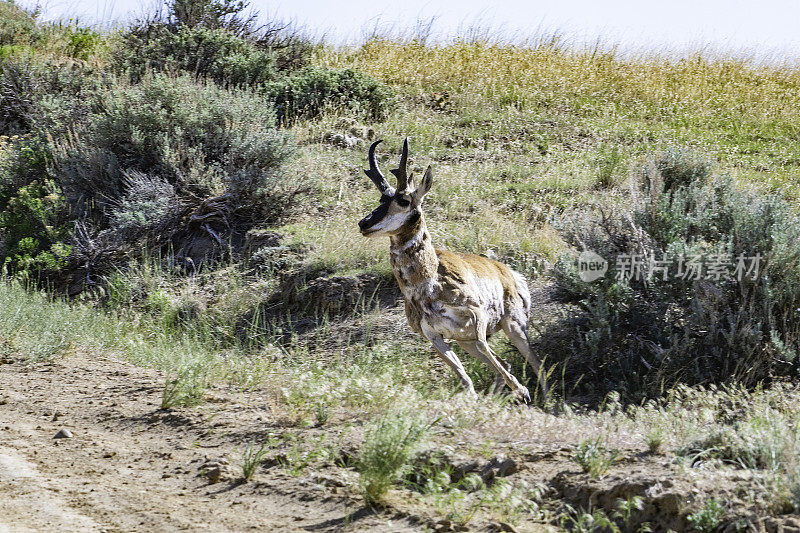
(449, 296)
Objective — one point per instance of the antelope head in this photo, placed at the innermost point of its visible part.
(399, 206)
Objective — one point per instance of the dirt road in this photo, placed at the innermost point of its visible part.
(130, 466)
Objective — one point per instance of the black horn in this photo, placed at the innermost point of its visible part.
(374, 172)
(401, 172)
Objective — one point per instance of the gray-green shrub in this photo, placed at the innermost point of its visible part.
(215, 39)
(173, 154)
(17, 25)
(45, 97)
(215, 54)
(642, 336)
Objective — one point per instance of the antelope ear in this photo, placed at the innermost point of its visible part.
(424, 186)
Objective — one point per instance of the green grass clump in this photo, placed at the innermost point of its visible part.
(758, 439)
(253, 456)
(608, 166)
(582, 521)
(708, 518)
(389, 443)
(186, 386)
(314, 90)
(36, 328)
(594, 458)
(654, 438)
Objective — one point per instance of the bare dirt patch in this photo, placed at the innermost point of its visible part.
(131, 466)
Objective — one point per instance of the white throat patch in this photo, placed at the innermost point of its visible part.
(413, 241)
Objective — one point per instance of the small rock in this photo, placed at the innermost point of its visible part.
(444, 525)
(327, 481)
(342, 140)
(460, 470)
(490, 254)
(499, 466)
(216, 470)
(792, 521)
(56, 416)
(258, 238)
(358, 131)
(505, 526)
(63, 433)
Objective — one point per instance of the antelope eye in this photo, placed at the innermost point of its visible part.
(402, 202)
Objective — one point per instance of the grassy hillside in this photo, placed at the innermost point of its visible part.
(519, 133)
(184, 193)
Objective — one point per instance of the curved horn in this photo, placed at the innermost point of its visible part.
(401, 171)
(374, 172)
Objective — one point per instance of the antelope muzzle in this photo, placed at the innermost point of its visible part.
(366, 224)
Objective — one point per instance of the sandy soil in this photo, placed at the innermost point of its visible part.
(133, 467)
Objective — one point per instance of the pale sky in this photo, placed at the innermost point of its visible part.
(762, 28)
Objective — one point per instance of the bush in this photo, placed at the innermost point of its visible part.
(45, 97)
(33, 217)
(642, 336)
(708, 518)
(308, 93)
(198, 139)
(215, 14)
(214, 39)
(388, 446)
(175, 164)
(79, 41)
(677, 168)
(17, 25)
(215, 54)
(33, 230)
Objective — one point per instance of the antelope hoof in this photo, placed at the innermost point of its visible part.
(523, 394)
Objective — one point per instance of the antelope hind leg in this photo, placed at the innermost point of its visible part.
(517, 333)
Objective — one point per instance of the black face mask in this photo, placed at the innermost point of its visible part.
(377, 215)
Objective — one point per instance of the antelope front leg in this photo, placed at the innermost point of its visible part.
(499, 382)
(481, 351)
(450, 357)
